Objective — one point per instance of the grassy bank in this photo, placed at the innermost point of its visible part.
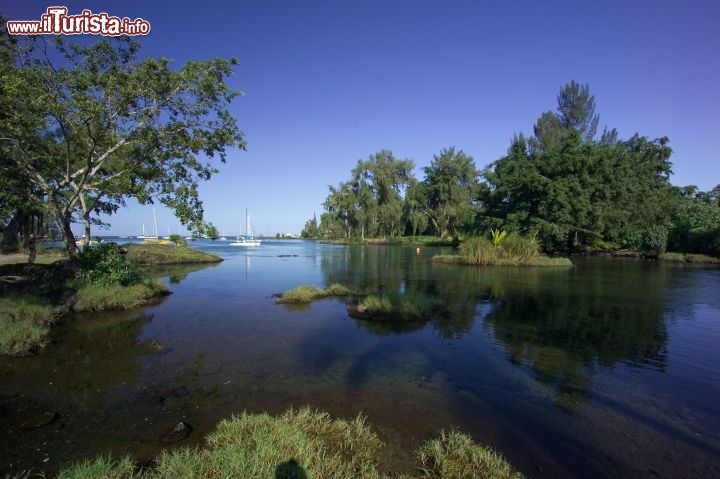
(24, 323)
(539, 261)
(155, 254)
(688, 258)
(302, 444)
(100, 297)
(306, 293)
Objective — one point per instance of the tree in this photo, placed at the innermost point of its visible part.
(90, 126)
(575, 113)
(448, 188)
(311, 228)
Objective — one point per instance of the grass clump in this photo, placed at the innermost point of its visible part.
(455, 456)
(99, 297)
(479, 251)
(394, 306)
(301, 444)
(24, 324)
(307, 293)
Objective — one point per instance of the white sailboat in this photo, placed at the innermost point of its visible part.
(247, 239)
(154, 238)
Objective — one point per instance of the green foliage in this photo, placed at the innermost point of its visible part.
(497, 236)
(455, 456)
(178, 240)
(152, 255)
(24, 322)
(100, 297)
(311, 229)
(103, 264)
(688, 258)
(87, 126)
(101, 467)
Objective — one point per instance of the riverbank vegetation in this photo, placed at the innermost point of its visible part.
(152, 255)
(302, 444)
(577, 190)
(24, 323)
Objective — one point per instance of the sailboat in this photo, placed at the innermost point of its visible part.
(154, 238)
(223, 237)
(247, 239)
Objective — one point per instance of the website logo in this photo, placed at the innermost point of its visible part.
(57, 22)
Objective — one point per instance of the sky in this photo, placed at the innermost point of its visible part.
(327, 83)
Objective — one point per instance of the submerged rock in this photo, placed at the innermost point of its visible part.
(181, 431)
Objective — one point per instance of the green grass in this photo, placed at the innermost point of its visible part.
(154, 254)
(24, 324)
(455, 456)
(408, 306)
(688, 258)
(514, 250)
(99, 297)
(300, 444)
(307, 293)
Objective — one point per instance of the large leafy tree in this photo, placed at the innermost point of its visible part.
(87, 127)
(448, 189)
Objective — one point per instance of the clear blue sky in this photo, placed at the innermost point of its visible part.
(329, 82)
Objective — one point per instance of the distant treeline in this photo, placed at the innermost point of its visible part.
(574, 189)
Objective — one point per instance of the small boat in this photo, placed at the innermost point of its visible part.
(247, 239)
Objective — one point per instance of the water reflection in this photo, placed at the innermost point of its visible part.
(561, 323)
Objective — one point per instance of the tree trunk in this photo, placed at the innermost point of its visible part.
(64, 221)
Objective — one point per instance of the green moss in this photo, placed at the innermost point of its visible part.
(307, 293)
(99, 297)
(24, 324)
(301, 444)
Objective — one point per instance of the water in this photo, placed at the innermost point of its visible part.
(608, 369)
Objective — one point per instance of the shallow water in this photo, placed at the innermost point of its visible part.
(608, 369)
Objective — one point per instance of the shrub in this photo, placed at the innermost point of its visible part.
(103, 263)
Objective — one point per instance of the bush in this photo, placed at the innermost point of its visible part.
(103, 263)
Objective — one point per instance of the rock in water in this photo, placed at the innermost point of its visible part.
(181, 431)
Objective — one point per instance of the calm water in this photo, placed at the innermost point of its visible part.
(609, 369)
